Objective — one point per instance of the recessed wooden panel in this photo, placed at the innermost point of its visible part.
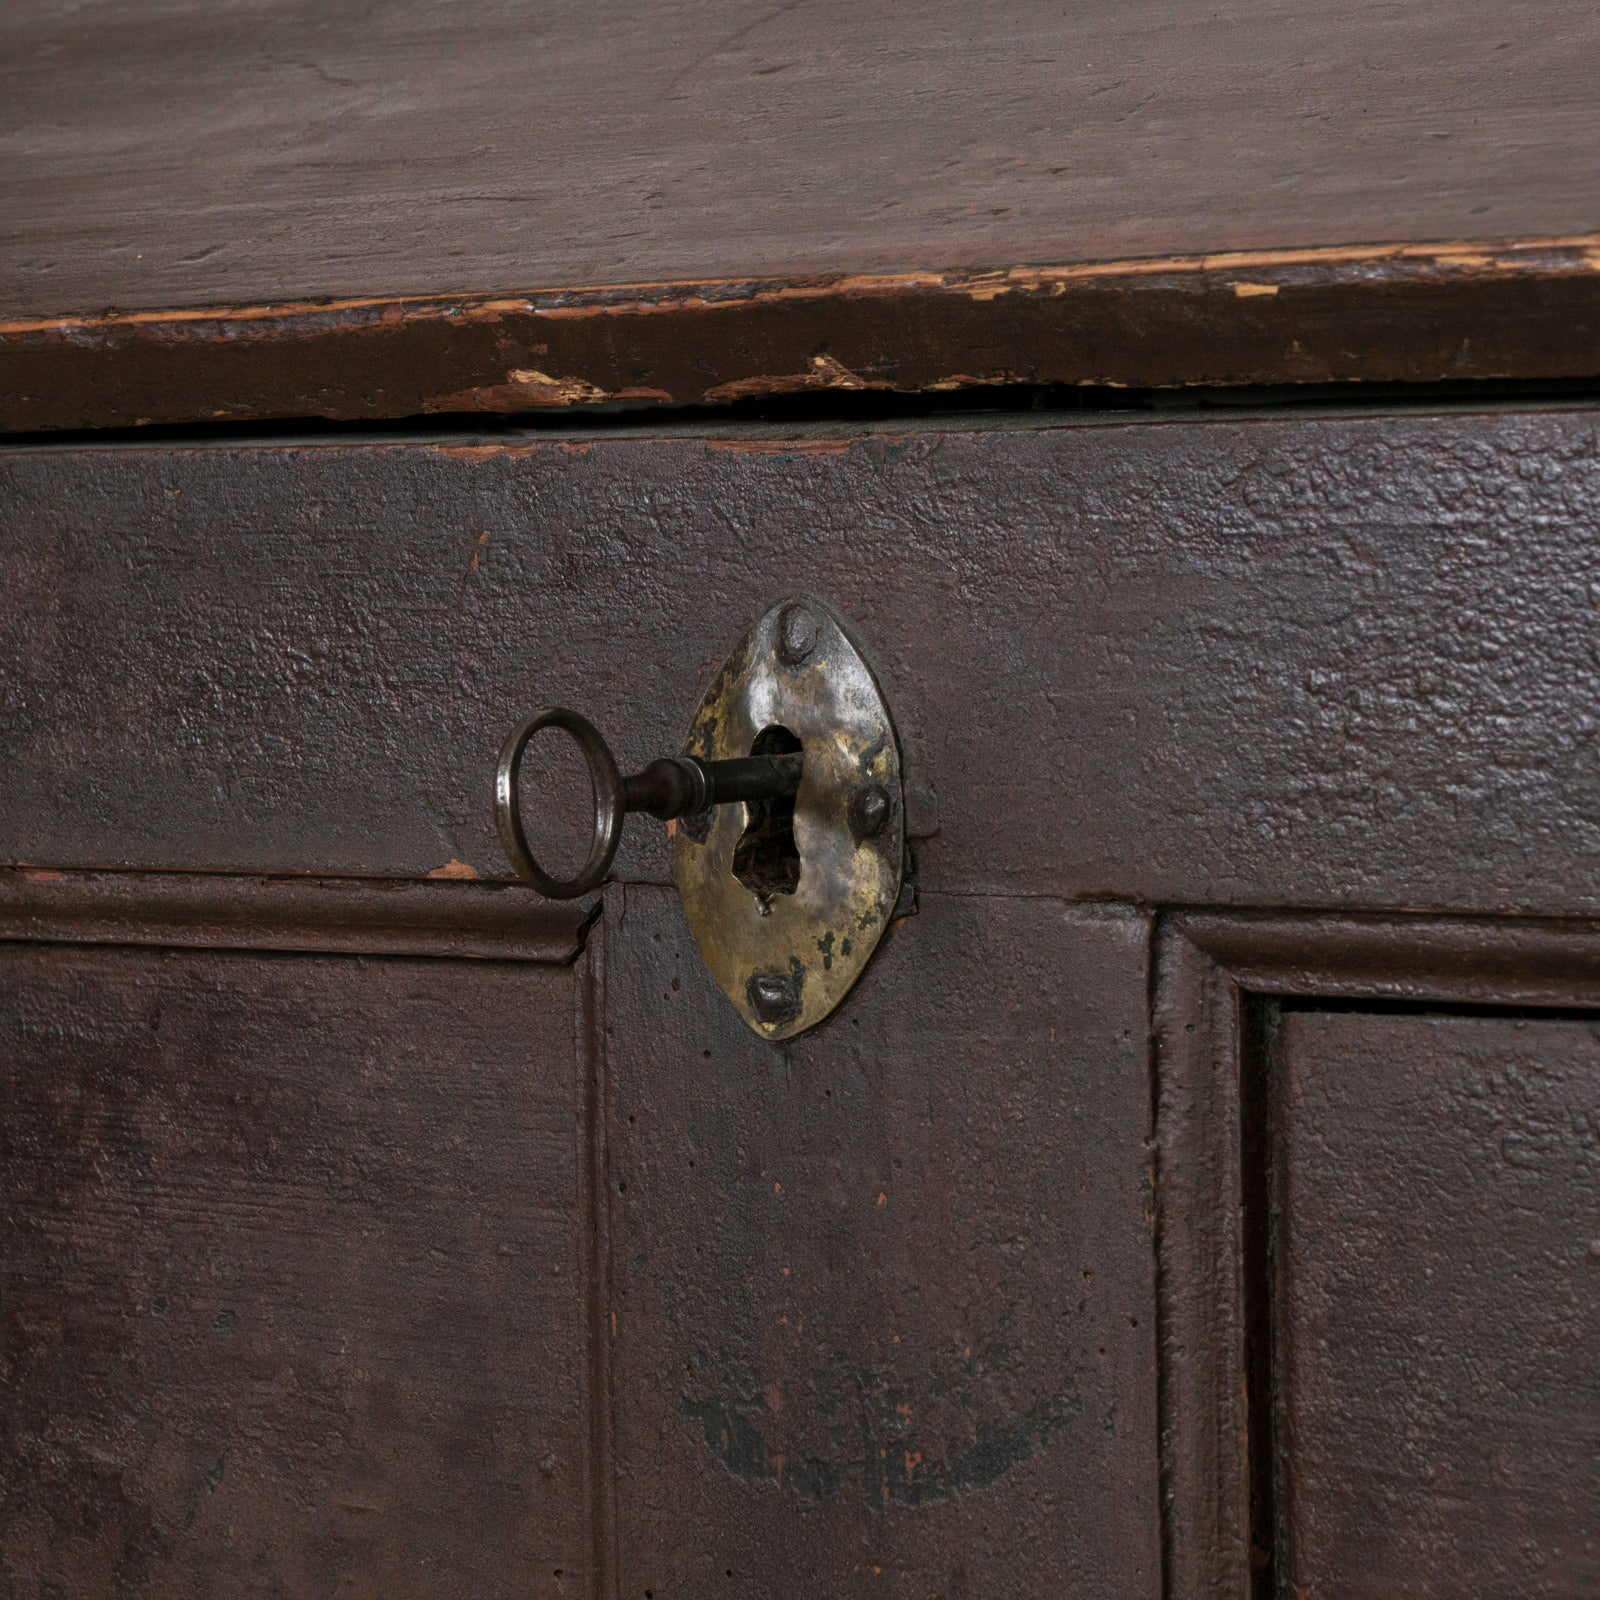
(1376, 1226)
(293, 1253)
(1436, 1305)
(884, 1297)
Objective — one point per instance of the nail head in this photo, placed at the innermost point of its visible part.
(797, 634)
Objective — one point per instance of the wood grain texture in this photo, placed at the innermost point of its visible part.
(1340, 662)
(200, 154)
(295, 1256)
(884, 1297)
(1437, 1263)
(825, 178)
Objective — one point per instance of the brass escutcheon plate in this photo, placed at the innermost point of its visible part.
(786, 958)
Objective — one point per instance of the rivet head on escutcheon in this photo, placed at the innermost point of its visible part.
(784, 899)
(797, 633)
(869, 811)
(774, 997)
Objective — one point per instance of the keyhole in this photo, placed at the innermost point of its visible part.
(766, 859)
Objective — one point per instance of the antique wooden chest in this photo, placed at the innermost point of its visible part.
(1128, 1126)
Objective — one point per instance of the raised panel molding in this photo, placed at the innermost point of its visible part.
(1220, 978)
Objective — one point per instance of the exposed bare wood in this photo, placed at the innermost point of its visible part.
(1525, 308)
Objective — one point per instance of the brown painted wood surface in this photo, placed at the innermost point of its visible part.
(350, 916)
(1409, 1205)
(245, 152)
(884, 1298)
(795, 198)
(1436, 1189)
(1344, 661)
(1335, 661)
(295, 1255)
(1524, 309)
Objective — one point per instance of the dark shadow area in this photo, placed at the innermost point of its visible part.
(766, 859)
(981, 402)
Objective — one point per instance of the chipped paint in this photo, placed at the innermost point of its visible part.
(1580, 253)
(510, 450)
(782, 447)
(823, 373)
(1156, 322)
(554, 391)
(453, 869)
(971, 380)
(524, 388)
(835, 374)
(489, 452)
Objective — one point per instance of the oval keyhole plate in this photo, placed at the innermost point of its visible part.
(788, 903)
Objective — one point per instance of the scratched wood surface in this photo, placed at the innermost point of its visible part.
(294, 1271)
(202, 154)
(801, 197)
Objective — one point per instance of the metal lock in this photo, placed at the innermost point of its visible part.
(787, 814)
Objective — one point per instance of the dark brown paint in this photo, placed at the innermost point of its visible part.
(883, 1297)
(250, 152)
(1435, 1187)
(295, 1255)
(1025, 1339)
(1337, 661)
(1527, 309)
(412, 210)
(350, 916)
(1275, 1160)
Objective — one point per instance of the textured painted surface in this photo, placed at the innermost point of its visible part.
(884, 1297)
(194, 153)
(292, 1268)
(1325, 661)
(1377, 1161)
(1439, 1304)
(1337, 661)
